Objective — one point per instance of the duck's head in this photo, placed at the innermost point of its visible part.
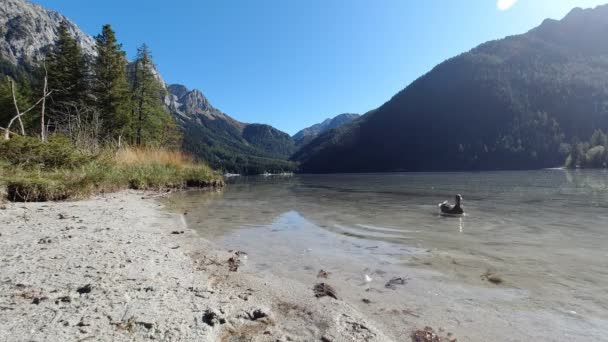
(458, 199)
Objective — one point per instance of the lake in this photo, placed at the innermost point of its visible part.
(542, 235)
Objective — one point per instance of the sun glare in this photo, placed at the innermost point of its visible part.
(504, 5)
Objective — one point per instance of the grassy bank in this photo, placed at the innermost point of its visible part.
(32, 171)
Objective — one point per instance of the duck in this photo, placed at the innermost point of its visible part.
(455, 209)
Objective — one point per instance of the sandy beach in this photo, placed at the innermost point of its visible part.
(119, 268)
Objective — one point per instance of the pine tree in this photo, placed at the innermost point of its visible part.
(66, 70)
(110, 86)
(67, 78)
(150, 121)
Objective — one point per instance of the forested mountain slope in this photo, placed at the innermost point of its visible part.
(225, 142)
(308, 134)
(514, 103)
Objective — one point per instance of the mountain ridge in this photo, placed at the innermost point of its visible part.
(518, 102)
(308, 134)
(29, 30)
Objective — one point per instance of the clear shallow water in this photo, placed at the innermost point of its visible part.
(544, 232)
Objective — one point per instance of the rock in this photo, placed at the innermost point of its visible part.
(428, 335)
(146, 325)
(37, 300)
(64, 299)
(392, 284)
(233, 264)
(29, 29)
(323, 274)
(492, 278)
(177, 232)
(256, 314)
(322, 290)
(84, 289)
(82, 324)
(211, 318)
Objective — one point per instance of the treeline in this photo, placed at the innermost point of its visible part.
(93, 100)
(589, 154)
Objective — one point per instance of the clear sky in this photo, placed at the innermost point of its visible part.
(293, 63)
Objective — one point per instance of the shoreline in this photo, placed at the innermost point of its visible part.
(120, 268)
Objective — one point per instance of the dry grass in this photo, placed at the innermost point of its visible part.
(36, 173)
(148, 155)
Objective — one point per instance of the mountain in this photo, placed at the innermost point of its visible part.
(27, 31)
(308, 134)
(225, 142)
(515, 103)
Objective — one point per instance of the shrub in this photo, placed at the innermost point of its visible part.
(36, 190)
(31, 152)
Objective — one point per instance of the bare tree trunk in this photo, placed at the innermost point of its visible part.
(7, 132)
(16, 106)
(19, 115)
(44, 91)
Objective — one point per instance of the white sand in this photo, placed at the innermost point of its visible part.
(145, 282)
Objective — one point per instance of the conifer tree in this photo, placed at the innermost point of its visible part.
(66, 69)
(149, 118)
(110, 86)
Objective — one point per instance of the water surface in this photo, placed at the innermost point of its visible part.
(545, 233)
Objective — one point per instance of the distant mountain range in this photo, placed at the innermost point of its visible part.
(308, 134)
(514, 103)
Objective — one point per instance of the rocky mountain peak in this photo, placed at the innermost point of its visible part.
(187, 104)
(27, 31)
(197, 101)
(178, 90)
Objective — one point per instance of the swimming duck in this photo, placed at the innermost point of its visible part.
(455, 209)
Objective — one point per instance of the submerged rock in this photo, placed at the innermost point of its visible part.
(392, 284)
(322, 290)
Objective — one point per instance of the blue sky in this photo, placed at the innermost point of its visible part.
(293, 63)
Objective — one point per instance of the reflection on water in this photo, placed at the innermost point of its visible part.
(545, 232)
